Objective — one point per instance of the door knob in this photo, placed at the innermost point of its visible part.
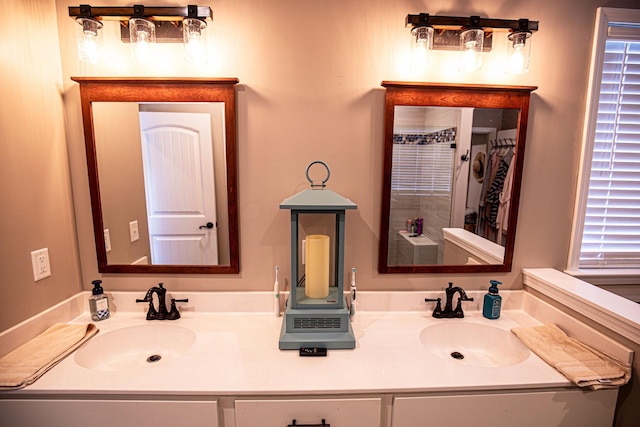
(207, 225)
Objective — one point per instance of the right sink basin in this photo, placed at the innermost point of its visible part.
(473, 344)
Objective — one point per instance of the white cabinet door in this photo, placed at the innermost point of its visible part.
(107, 413)
(548, 409)
(335, 412)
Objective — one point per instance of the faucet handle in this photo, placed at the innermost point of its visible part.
(437, 312)
(174, 314)
(152, 314)
(457, 312)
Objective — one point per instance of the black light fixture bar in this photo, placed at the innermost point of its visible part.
(466, 22)
(160, 13)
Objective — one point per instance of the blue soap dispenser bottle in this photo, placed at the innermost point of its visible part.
(492, 301)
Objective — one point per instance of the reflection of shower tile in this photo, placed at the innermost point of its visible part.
(443, 136)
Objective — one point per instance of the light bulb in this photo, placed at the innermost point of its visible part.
(469, 59)
(143, 50)
(89, 40)
(471, 44)
(195, 44)
(142, 35)
(422, 47)
(520, 53)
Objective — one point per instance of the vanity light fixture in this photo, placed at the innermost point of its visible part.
(143, 27)
(471, 36)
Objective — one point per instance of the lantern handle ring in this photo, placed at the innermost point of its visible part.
(321, 185)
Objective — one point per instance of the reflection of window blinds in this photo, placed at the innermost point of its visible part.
(422, 169)
(612, 222)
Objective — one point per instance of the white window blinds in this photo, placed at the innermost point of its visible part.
(422, 169)
(611, 236)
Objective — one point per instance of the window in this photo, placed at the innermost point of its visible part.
(422, 169)
(606, 234)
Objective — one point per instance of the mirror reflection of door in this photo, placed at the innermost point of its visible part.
(179, 187)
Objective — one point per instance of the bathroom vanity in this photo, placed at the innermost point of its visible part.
(223, 368)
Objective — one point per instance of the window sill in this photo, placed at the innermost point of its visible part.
(620, 276)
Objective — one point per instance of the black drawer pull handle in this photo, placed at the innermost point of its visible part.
(293, 424)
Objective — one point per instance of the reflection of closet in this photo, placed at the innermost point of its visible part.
(489, 218)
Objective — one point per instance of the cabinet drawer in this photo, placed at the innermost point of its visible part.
(107, 413)
(562, 408)
(281, 413)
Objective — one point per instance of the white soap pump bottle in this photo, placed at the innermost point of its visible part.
(98, 302)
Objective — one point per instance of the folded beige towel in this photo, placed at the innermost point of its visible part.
(581, 364)
(31, 360)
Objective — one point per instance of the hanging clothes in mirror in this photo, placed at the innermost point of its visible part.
(495, 197)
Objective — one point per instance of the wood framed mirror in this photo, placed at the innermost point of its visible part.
(453, 158)
(162, 170)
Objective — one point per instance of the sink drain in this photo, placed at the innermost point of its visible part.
(153, 358)
(457, 355)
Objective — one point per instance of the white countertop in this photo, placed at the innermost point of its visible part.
(237, 354)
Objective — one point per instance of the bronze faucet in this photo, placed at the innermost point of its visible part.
(449, 312)
(161, 313)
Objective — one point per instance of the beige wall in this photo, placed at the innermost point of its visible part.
(36, 208)
(310, 76)
(122, 193)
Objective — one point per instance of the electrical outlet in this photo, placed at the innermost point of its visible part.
(133, 231)
(40, 264)
(107, 240)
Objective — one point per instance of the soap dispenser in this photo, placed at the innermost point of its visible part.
(492, 301)
(98, 302)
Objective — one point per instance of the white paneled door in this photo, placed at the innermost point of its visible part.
(179, 184)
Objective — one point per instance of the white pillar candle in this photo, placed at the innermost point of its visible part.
(317, 266)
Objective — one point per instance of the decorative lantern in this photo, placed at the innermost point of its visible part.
(316, 315)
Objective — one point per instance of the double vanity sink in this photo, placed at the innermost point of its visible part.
(237, 353)
(133, 348)
(225, 368)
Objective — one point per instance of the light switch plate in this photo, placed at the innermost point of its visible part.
(40, 264)
(107, 240)
(133, 231)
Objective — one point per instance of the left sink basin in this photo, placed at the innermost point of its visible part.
(135, 347)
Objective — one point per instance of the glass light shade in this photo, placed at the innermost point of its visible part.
(142, 35)
(471, 43)
(195, 43)
(422, 47)
(520, 52)
(89, 40)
